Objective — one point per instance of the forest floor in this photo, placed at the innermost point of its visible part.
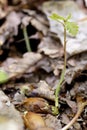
(31, 62)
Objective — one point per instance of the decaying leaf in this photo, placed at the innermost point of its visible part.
(41, 26)
(51, 47)
(10, 27)
(81, 89)
(77, 59)
(16, 67)
(75, 72)
(65, 119)
(71, 104)
(52, 121)
(44, 90)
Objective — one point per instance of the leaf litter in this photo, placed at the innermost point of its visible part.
(36, 74)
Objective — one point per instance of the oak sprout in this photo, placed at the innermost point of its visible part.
(72, 28)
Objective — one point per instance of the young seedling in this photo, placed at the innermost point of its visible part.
(72, 28)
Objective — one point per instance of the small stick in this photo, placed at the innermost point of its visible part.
(80, 109)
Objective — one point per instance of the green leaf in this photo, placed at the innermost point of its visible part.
(72, 28)
(3, 76)
(68, 17)
(57, 17)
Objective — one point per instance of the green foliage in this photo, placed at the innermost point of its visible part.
(56, 17)
(68, 17)
(71, 27)
(3, 76)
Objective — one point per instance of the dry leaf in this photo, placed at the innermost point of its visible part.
(16, 67)
(75, 72)
(44, 90)
(52, 121)
(51, 47)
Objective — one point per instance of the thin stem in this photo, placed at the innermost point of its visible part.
(63, 71)
(26, 39)
(64, 47)
(58, 88)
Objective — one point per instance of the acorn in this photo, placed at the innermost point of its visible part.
(34, 104)
(45, 128)
(33, 121)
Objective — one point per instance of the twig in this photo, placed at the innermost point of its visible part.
(80, 109)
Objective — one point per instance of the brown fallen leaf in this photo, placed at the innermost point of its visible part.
(7, 29)
(41, 26)
(44, 90)
(33, 121)
(75, 72)
(70, 103)
(77, 59)
(35, 104)
(65, 119)
(16, 67)
(53, 122)
(51, 47)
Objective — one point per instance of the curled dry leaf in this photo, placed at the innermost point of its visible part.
(81, 89)
(51, 47)
(35, 104)
(70, 103)
(43, 28)
(75, 72)
(7, 29)
(53, 121)
(44, 90)
(33, 121)
(16, 67)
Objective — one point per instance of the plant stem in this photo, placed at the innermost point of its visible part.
(26, 39)
(63, 71)
(64, 47)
